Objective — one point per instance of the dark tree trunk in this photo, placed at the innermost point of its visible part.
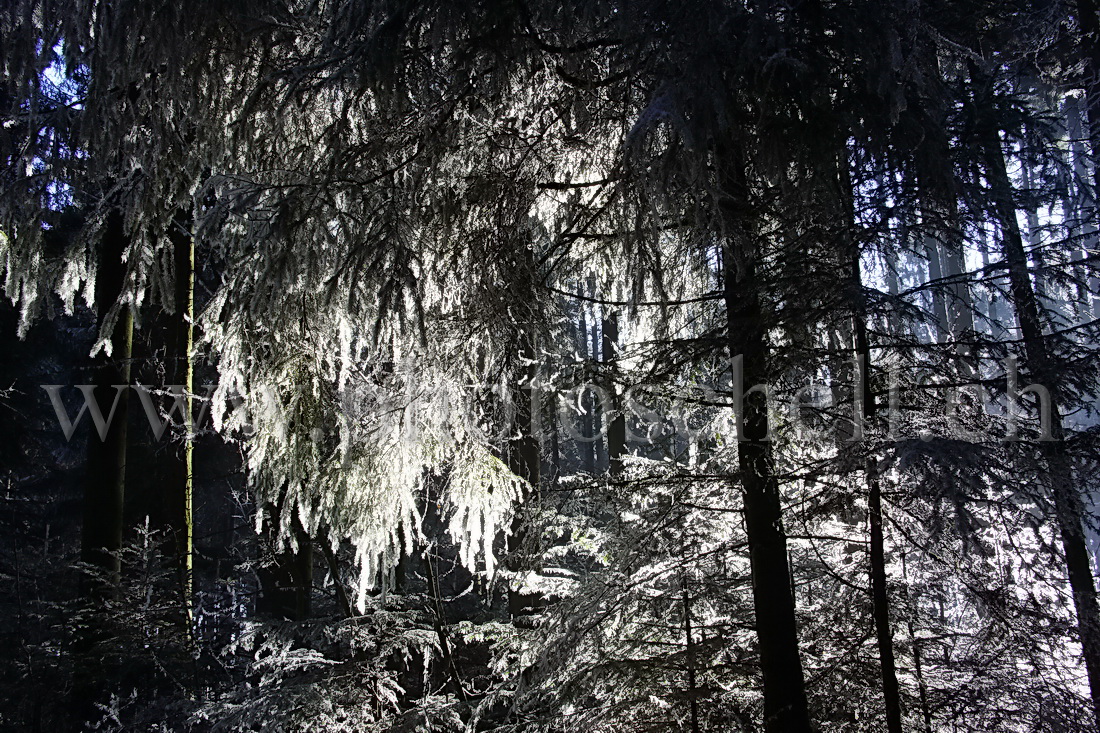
(524, 453)
(939, 299)
(105, 485)
(101, 536)
(599, 450)
(343, 601)
(1080, 205)
(918, 667)
(881, 604)
(587, 446)
(286, 584)
(1088, 16)
(690, 649)
(880, 597)
(1068, 505)
(441, 626)
(524, 458)
(941, 225)
(785, 708)
(865, 397)
(401, 570)
(616, 427)
(176, 500)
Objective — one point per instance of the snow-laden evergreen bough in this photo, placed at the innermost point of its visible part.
(361, 245)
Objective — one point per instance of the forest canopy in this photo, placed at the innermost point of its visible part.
(520, 366)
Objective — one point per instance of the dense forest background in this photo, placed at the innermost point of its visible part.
(504, 365)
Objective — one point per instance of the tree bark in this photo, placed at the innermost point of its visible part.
(880, 597)
(343, 601)
(1068, 504)
(941, 226)
(616, 427)
(101, 536)
(918, 668)
(1088, 16)
(286, 585)
(587, 447)
(441, 626)
(1080, 207)
(599, 461)
(177, 499)
(939, 299)
(105, 485)
(690, 649)
(785, 708)
(524, 458)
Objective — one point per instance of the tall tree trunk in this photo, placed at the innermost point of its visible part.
(1080, 206)
(785, 708)
(960, 305)
(1068, 504)
(1088, 16)
(105, 485)
(943, 242)
(880, 597)
(587, 446)
(441, 626)
(880, 600)
(939, 299)
(942, 227)
(101, 536)
(599, 461)
(690, 652)
(616, 427)
(343, 600)
(918, 668)
(286, 584)
(524, 458)
(865, 399)
(178, 493)
(993, 307)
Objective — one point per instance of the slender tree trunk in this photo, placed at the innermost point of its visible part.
(960, 305)
(1080, 206)
(286, 585)
(865, 397)
(524, 453)
(343, 601)
(993, 306)
(177, 498)
(401, 570)
(785, 708)
(524, 458)
(1068, 504)
(441, 626)
(942, 229)
(880, 599)
(599, 460)
(555, 439)
(939, 299)
(616, 428)
(918, 668)
(951, 299)
(587, 447)
(1033, 238)
(1088, 16)
(101, 536)
(104, 488)
(690, 649)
